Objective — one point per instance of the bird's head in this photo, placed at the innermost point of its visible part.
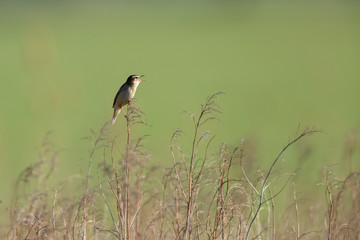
(134, 80)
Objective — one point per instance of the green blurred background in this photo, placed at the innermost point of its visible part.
(279, 63)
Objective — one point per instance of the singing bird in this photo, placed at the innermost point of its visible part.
(125, 94)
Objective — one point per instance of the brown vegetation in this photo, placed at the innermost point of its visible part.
(201, 196)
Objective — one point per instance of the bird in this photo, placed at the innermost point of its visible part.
(125, 94)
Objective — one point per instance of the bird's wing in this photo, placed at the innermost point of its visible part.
(117, 94)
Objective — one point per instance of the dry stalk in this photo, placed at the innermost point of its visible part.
(121, 185)
(206, 114)
(264, 186)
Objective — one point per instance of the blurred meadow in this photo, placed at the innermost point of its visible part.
(279, 63)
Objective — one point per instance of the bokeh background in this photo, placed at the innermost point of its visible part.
(280, 63)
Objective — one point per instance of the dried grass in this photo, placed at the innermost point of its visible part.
(203, 195)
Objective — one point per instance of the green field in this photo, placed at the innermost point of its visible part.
(279, 64)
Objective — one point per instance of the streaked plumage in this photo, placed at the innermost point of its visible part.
(125, 94)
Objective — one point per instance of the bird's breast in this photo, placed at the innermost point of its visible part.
(132, 91)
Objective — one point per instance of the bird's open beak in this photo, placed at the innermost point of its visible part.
(141, 77)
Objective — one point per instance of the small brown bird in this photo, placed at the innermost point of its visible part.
(125, 94)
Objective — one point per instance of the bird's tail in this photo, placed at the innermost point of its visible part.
(116, 113)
